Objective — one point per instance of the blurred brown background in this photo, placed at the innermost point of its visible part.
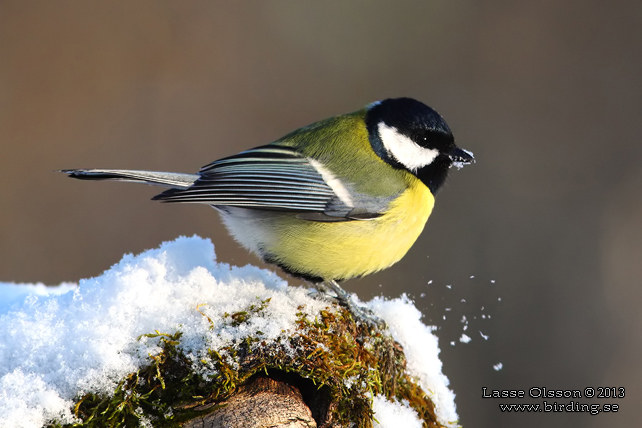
(547, 94)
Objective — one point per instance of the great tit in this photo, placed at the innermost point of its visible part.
(341, 198)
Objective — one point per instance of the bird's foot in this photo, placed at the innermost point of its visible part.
(360, 313)
(323, 294)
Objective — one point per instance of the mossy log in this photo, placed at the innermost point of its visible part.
(289, 397)
(324, 375)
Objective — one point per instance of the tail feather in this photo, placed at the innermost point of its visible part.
(167, 179)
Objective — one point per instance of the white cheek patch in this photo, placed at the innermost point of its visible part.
(335, 184)
(404, 150)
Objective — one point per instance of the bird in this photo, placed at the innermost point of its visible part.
(338, 199)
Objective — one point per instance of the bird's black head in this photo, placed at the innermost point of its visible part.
(408, 134)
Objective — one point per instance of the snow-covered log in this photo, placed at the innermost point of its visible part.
(170, 337)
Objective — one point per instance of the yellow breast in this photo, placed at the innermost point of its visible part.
(349, 249)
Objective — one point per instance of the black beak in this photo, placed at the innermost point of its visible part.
(461, 157)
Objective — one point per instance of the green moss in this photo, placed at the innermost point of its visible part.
(343, 364)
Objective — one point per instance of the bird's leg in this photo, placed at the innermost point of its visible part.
(359, 312)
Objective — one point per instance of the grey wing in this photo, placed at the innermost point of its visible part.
(270, 178)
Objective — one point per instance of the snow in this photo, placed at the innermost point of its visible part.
(57, 343)
(389, 414)
(11, 293)
(422, 352)
(464, 338)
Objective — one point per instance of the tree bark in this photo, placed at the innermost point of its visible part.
(264, 403)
